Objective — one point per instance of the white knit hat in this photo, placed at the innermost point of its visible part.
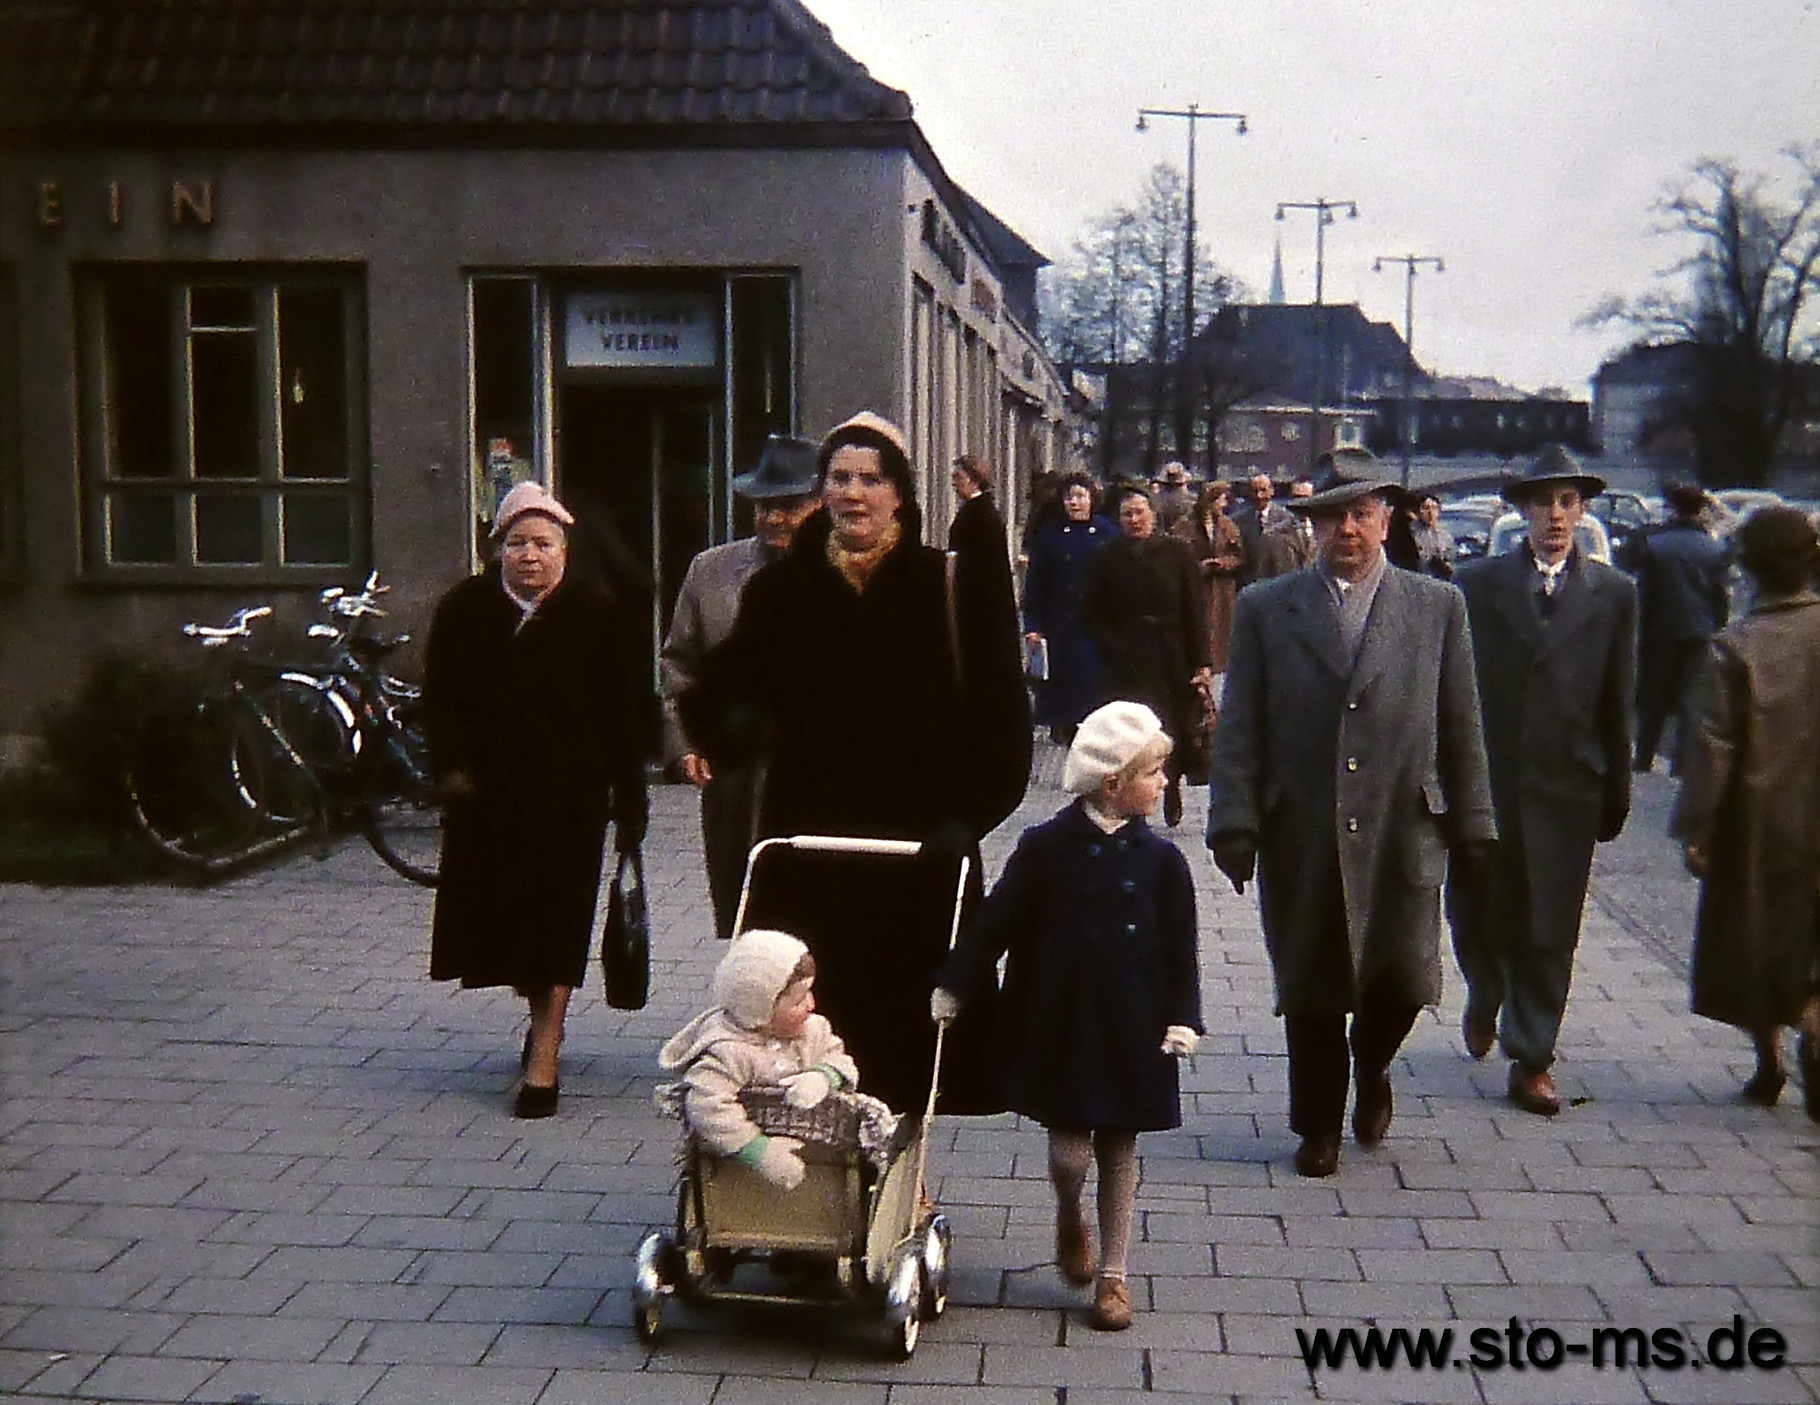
(753, 973)
(1108, 741)
(529, 496)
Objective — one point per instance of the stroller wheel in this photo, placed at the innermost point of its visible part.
(904, 1305)
(938, 1237)
(650, 1286)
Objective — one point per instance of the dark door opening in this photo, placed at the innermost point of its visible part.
(636, 466)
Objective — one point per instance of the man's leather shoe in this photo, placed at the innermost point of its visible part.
(1317, 1156)
(1479, 1031)
(1371, 1109)
(1534, 1092)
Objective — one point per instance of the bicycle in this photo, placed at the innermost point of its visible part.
(285, 751)
(224, 783)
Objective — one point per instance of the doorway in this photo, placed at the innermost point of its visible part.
(636, 466)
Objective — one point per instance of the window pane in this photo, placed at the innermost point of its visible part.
(140, 385)
(216, 306)
(224, 371)
(142, 529)
(317, 531)
(312, 384)
(228, 530)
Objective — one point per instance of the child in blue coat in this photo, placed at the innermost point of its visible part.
(1094, 914)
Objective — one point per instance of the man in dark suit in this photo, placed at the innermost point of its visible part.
(1554, 641)
(1346, 765)
(1681, 586)
(1256, 519)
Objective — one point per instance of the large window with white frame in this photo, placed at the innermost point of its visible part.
(223, 422)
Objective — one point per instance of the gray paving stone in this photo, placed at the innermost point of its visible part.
(292, 1383)
(471, 1385)
(428, 1343)
(268, 1339)
(146, 1378)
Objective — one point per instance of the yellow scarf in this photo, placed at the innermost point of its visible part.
(856, 566)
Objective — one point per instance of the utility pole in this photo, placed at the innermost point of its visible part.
(1193, 115)
(1323, 216)
(1410, 262)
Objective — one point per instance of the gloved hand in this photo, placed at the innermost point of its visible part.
(944, 1005)
(1235, 854)
(808, 1088)
(1179, 1041)
(780, 1162)
(950, 841)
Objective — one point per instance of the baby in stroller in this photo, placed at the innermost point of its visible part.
(761, 1031)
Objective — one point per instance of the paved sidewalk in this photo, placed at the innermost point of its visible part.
(249, 1153)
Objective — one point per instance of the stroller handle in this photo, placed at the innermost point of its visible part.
(846, 844)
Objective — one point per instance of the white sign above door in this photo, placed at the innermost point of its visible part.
(624, 327)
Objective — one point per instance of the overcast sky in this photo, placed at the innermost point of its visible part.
(1522, 140)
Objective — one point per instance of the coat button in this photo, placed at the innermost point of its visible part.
(1129, 885)
(1353, 706)
(1093, 851)
(1352, 826)
(1131, 928)
(1352, 763)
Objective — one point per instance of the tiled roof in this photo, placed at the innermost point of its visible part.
(88, 66)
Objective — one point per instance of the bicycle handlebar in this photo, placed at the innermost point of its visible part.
(237, 627)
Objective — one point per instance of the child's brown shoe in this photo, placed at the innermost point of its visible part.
(1111, 1305)
(1074, 1247)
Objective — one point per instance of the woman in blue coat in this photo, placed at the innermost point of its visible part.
(1094, 914)
(1052, 590)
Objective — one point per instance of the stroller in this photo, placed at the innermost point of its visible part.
(857, 1232)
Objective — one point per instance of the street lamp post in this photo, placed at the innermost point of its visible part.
(1324, 215)
(1410, 262)
(1193, 115)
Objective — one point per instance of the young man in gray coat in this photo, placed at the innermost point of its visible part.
(781, 490)
(1554, 638)
(1347, 765)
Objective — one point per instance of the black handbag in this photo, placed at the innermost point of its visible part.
(625, 939)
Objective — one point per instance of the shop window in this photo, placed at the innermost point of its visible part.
(220, 423)
(507, 344)
(761, 385)
(10, 531)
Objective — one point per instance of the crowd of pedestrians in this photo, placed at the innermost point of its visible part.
(1384, 750)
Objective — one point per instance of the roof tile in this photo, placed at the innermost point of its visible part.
(299, 64)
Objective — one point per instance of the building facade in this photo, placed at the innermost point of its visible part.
(294, 292)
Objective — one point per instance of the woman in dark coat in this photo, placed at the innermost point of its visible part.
(1145, 609)
(1748, 813)
(538, 719)
(1052, 591)
(880, 702)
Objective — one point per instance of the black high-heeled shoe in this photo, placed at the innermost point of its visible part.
(533, 1101)
(1765, 1087)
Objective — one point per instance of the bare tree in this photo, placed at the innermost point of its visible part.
(1115, 301)
(1742, 299)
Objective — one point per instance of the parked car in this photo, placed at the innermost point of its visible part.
(1511, 530)
(1470, 528)
(1623, 512)
(1741, 502)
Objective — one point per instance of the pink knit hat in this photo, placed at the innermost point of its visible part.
(530, 496)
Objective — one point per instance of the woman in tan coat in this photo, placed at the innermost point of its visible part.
(1748, 815)
(1221, 552)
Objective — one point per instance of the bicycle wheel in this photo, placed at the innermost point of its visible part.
(186, 796)
(401, 814)
(285, 769)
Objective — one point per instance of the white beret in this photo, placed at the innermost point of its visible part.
(1108, 741)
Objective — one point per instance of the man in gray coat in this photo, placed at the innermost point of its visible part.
(1554, 637)
(1347, 764)
(781, 490)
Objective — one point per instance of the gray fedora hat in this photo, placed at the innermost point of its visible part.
(1345, 476)
(1554, 464)
(785, 469)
